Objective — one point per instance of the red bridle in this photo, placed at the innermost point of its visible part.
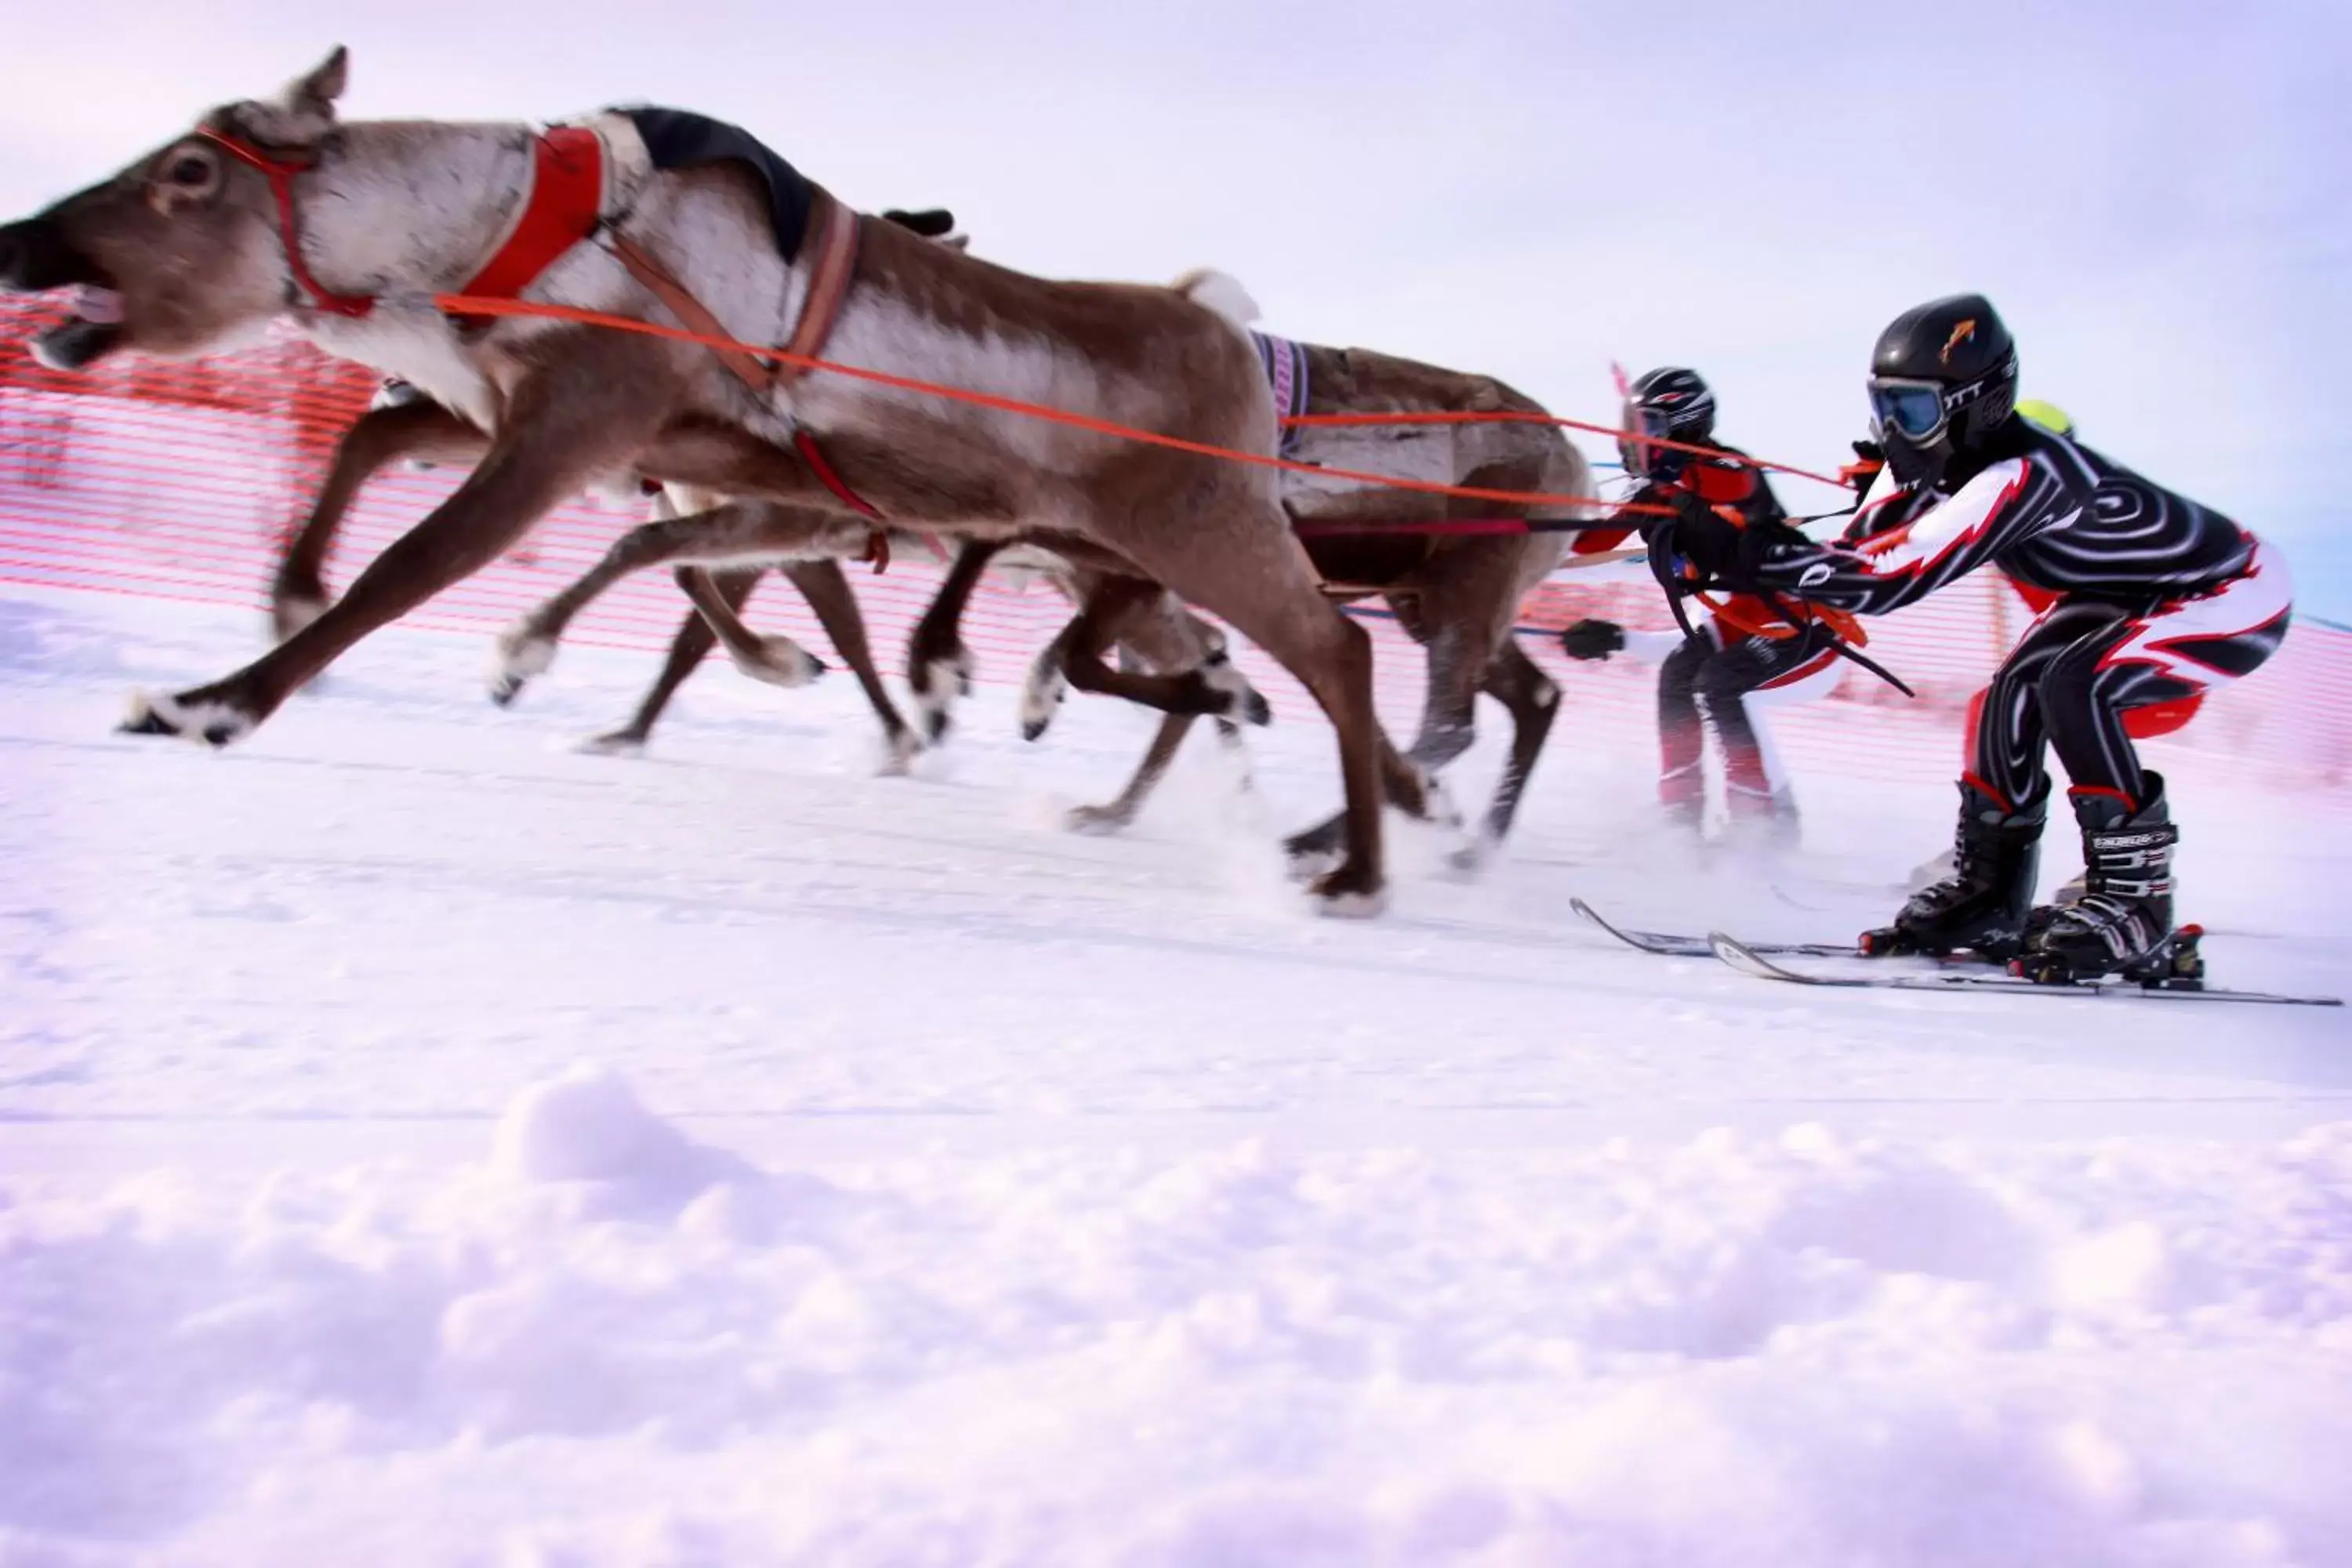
(280, 174)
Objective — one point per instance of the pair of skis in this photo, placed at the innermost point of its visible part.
(1760, 960)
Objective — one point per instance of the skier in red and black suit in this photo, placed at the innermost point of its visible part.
(1743, 654)
(2158, 600)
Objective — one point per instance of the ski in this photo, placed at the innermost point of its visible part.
(1756, 959)
(1669, 945)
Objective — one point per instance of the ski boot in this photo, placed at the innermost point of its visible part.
(2122, 923)
(1983, 905)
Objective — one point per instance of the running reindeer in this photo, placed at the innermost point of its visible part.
(403, 424)
(1453, 571)
(277, 209)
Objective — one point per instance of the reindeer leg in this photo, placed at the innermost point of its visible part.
(1046, 685)
(1166, 637)
(1231, 550)
(1203, 688)
(1446, 732)
(939, 666)
(826, 588)
(589, 411)
(377, 440)
(1119, 813)
(688, 649)
(778, 660)
(1520, 684)
(739, 532)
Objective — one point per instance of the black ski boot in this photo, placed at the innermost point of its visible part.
(2122, 923)
(1982, 906)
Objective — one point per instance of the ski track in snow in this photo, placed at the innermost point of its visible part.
(421, 1144)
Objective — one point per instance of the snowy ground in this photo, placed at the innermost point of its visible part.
(421, 1144)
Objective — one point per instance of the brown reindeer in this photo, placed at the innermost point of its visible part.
(277, 209)
(402, 424)
(1455, 594)
(405, 425)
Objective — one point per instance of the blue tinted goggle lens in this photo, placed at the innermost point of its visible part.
(1915, 412)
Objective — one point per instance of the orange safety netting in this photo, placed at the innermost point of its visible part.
(181, 480)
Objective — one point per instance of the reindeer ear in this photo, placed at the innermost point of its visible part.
(314, 95)
(932, 223)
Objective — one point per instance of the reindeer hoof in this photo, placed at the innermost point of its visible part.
(900, 750)
(1097, 821)
(518, 655)
(212, 723)
(618, 743)
(1348, 894)
(290, 612)
(1242, 702)
(1040, 698)
(936, 683)
(780, 661)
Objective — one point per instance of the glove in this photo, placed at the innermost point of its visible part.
(1591, 639)
(1868, 459)
(1706, 540)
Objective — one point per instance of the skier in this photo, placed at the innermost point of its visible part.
(2157, 600)
(1743, 657)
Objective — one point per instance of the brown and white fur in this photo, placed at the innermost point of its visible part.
(1456, 595)
(404, 426)
(182, 252)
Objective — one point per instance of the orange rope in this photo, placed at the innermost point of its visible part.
(1510, 416)
(466, 305)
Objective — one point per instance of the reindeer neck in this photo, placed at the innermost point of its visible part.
(397, 207)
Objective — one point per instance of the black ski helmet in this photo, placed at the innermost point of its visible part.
(1669, 402)
(1942, 379)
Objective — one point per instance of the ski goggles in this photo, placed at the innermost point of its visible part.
(1642, 427)
(1914, 410)
(1919, 412)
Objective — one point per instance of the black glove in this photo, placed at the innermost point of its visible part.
(1703, 537)
(1868, 459)
(1592, 640)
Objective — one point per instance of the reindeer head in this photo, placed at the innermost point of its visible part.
(180, 252)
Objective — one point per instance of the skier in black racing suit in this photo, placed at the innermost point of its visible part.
(2158, 600)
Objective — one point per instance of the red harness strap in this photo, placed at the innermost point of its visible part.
(567, 189)
(877, 543)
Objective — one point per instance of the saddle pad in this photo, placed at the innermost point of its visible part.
(1285, 371)
(675, 139)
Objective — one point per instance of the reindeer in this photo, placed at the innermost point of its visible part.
(403, 424)
(1456, 593)
(278, 208)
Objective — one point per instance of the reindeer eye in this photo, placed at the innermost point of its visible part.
(190, 169)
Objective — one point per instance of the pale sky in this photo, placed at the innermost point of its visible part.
(2154, 193)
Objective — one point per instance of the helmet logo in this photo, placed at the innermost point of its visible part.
(1960, 334)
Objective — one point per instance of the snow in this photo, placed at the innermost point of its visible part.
(420, 1143)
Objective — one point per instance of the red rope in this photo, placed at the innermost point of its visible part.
(467, 305)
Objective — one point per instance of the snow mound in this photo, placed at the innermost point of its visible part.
(615, 1345)
(586, 1128)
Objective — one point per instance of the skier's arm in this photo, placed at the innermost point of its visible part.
(1937, 545)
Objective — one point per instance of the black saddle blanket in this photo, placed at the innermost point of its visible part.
(676, 140)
